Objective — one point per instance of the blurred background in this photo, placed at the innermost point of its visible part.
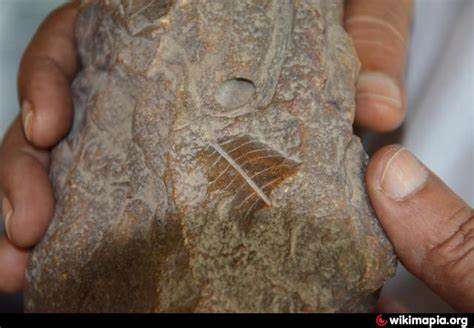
(439, 127)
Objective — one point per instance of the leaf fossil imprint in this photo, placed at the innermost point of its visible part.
(211, 165)
(247, 169)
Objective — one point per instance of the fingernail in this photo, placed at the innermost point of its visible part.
(27, 115)
(378, 87)
(7, 211)
(403, 175)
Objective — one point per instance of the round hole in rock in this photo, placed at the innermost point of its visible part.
(235, 93)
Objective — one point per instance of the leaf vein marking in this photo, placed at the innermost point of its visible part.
(237, 167)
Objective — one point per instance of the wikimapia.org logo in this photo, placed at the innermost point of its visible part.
(428, 320)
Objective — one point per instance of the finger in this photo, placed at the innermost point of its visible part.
(431, 228)
(47, 68)
(27, 196)
(380, 31)
(13, 261)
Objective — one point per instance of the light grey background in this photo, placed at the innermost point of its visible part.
(440, 122)
(439, 127)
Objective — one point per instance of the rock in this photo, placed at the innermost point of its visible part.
(212, 165)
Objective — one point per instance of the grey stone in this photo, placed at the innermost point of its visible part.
(212, 165)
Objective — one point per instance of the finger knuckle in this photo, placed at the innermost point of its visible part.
(453, 259)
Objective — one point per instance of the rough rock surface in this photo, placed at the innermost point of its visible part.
(212, 165)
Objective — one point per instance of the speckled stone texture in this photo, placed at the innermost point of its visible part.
(212, 165)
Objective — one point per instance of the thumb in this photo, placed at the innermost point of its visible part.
(431, 228)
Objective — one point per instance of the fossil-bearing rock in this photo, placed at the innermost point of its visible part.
(211, 165)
